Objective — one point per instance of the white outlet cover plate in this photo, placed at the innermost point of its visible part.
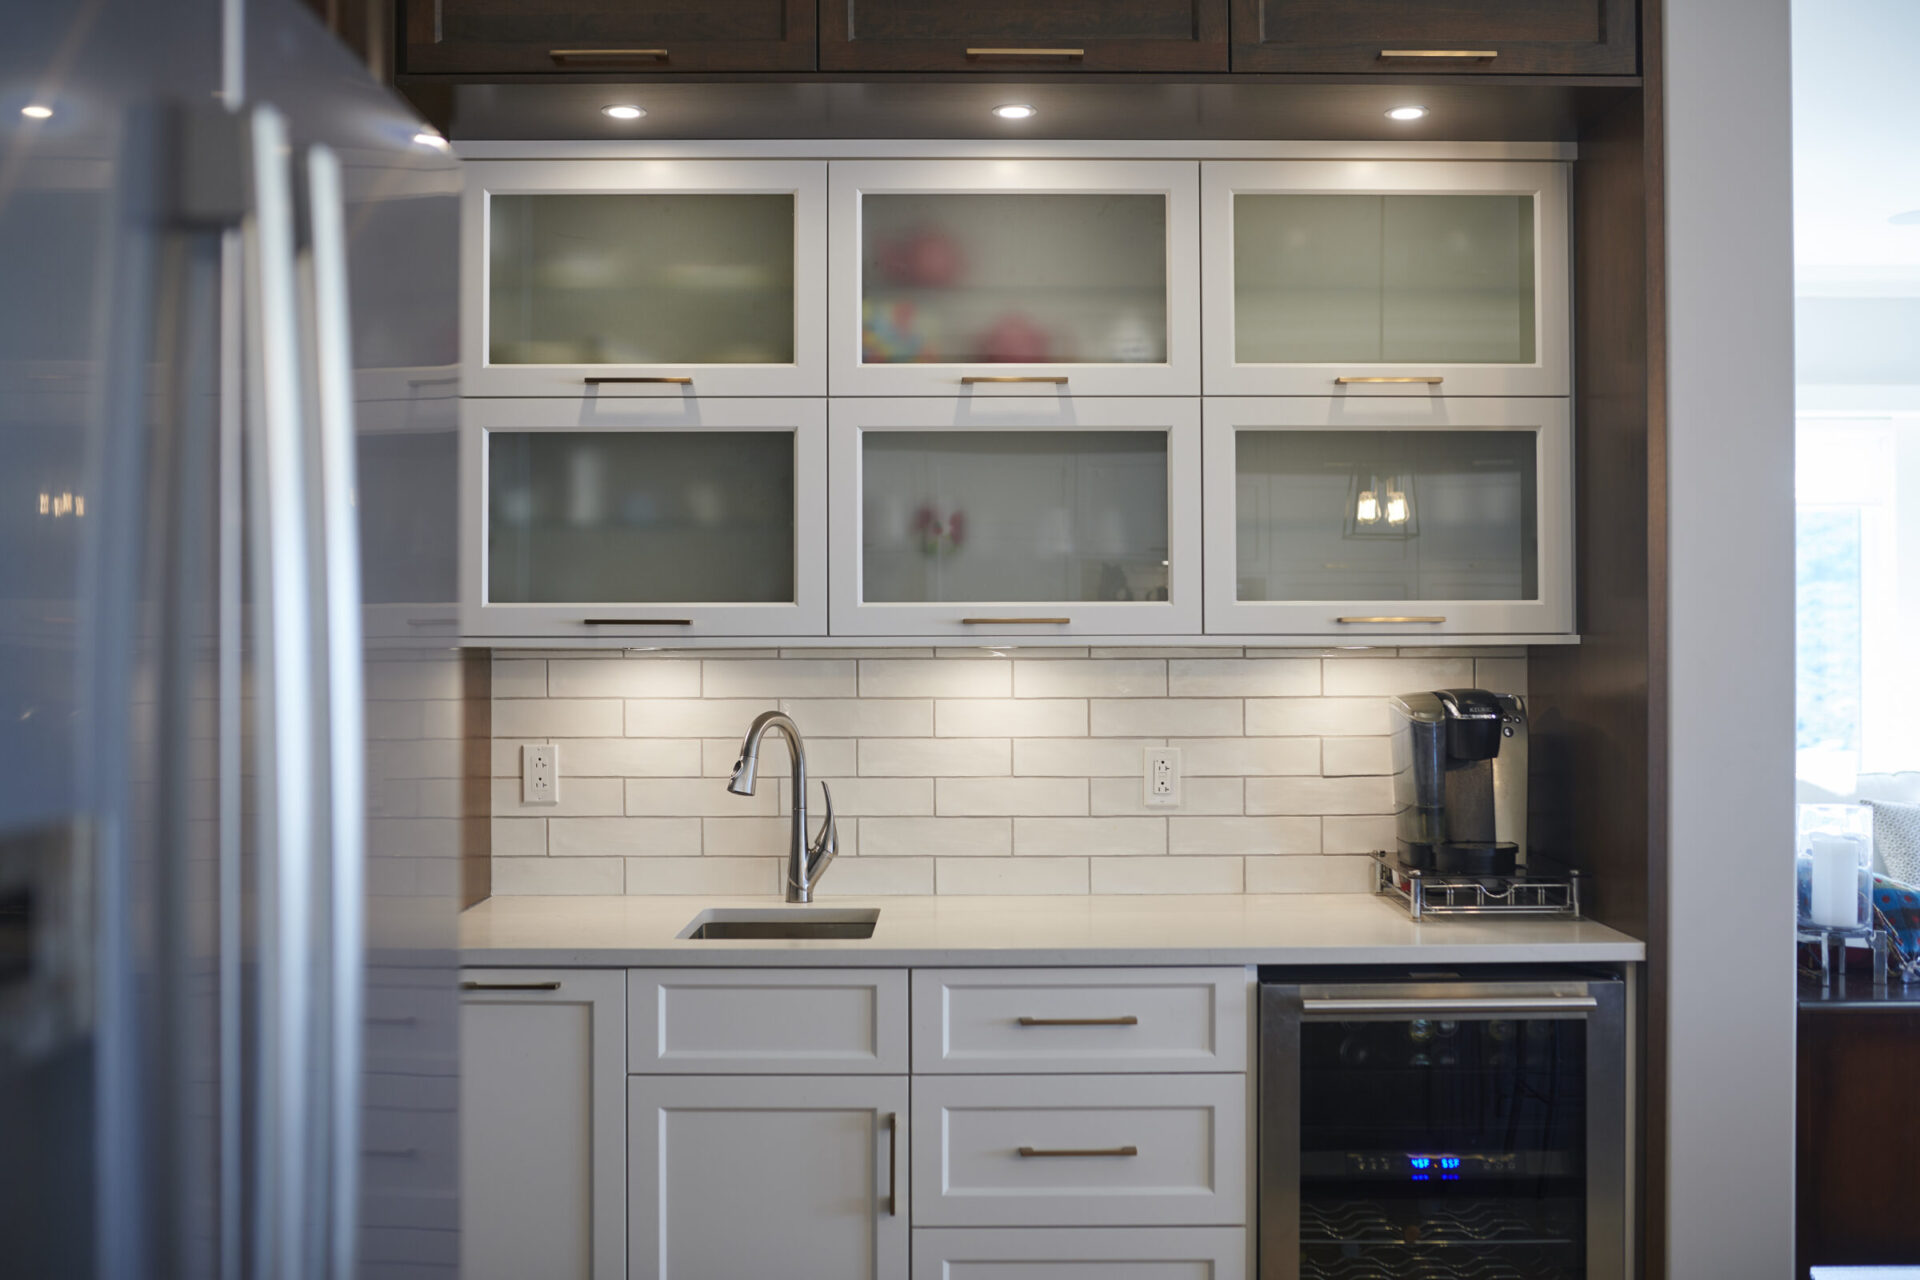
(1160, 779)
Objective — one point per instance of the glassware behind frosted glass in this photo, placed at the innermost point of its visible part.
(666, 517)
(1017, 516)
(640, 279)
(1469, 530)
(1013, 279)
(1373, 279)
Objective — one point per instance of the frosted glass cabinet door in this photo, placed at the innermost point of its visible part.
(1389, 517)
(1013, 277)
(1413, 279)
(644, 277)
(1015, 518)
(643, 520)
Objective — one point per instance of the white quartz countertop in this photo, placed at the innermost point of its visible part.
(610, 932)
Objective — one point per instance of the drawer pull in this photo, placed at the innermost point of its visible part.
(563, 55)
(1052, 379)
(1124, 1020)
(1429, 380)
(509, 986)
(1396, 618)
(1477, 55)
(636, 622)
(893, 1164)
(1442, 1007)
(1026, 53)
(1034, 1153)
(678, 380)
(1015, 622)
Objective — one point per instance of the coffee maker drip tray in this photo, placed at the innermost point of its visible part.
(1541, 888)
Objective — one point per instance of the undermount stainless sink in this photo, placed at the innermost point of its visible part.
(771, 922)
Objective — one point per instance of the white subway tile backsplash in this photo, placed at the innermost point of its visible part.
(860, 717)
(1083, 757)
(1316, 717)
(1097, 837)
(935, 757)
(1361, 833)
(1010, 876)
(707, 876)
(1319, 795)
(623, 837)
(1243, 836)
(556, 718)
(1166, 717)
(1197, 795)
(519, 678)
(1500, 675)
(1244, 678)
(880, 877)
(1397, 675)
(1089, 678)
(697, 798)
(623, 678)
(830, 757)
(752, 837)
(1010, 717)
(1011, 797)
(691, 717)
(626, 758)
(1247, 757)
(779, 678)
(1309, 875)
(578, 798)
(1167, 875)
(864, 797)
(519, 837)
(514, 877)
(936, 837)
(934, 678)
(1346, 757)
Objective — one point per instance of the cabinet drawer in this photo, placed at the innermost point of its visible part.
(608, 36)
(1139, 1253)
(767, 1022)
(1501, 37)
(1037, 1151)
(1086, 1020)
(1007, 35)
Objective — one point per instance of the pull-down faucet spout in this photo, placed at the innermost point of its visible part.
(806, 863)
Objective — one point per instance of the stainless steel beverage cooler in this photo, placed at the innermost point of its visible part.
(1422, 1126)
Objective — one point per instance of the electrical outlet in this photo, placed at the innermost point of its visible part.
(1163, 777)
(540, 773)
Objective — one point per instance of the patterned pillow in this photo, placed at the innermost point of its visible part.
(1896, 839)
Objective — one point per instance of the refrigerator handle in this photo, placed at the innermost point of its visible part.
(286, 704)
(345, 774)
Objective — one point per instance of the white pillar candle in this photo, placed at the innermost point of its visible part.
(1836, 881)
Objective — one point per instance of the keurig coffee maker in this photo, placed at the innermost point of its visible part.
(1460, 781)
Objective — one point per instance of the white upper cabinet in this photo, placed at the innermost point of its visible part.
(1007, 277)
(644, 278)
(1409, 278)
(1015, 517)
(1389, 516)
(625, 519)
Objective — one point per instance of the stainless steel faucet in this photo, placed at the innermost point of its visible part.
(806, 863)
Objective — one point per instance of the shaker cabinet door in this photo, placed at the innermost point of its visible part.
(1389, 517)
(662, 278)
(1009, 35)
(479, 37)
(1409, 279)
(1420, 37)
(625, 519)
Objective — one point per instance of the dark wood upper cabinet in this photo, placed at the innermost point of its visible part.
(1467, 37)
(486, 37)
(1023, 35)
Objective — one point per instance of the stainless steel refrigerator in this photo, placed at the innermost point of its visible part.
(231, 735)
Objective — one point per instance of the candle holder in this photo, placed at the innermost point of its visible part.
(1833, 871)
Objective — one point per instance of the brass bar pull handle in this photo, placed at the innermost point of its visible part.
(1346, 621)
(1015, 622)
(1057, 380)
(1347, 382)
(566, 55)
(893, 1164)
(1026, 53)
(679, 381)
(1477, 55)
(1124, 1020)
(509, 986)
(1034, 1153)
(636, 622)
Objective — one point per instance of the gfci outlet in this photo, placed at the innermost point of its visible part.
(540, 773)
(1163, 776)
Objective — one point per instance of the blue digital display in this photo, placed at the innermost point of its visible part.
(1422, 1167)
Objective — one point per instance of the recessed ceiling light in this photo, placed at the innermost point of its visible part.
(1015, 111)
(1406, 113)
(37, 112)
(428, 138)
(622, 111)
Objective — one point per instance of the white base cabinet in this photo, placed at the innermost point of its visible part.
(543, 1168)
(1056, 1253)
(801, 1177)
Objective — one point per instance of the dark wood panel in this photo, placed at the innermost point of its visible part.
(503, 36)
(366, 27)
(1106, 35)
(476, 776)
(1858, 1138)
(1529, 37)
